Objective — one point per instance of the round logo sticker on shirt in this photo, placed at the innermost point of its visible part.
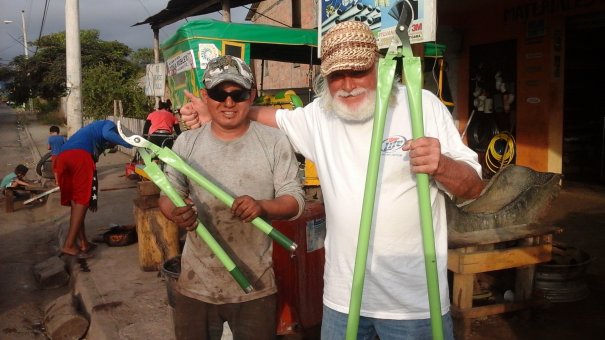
(393, 144)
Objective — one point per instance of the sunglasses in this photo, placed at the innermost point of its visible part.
(220, 95)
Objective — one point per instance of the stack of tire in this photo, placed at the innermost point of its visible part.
(44, 168)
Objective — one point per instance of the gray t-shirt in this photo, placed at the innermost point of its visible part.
(261, 164)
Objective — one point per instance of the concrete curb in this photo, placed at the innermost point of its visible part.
(120, 300)
(30, 140)
(102, 324)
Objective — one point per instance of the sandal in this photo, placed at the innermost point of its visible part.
(79, 255)
(92, 246)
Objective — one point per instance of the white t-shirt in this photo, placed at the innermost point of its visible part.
(395, 280)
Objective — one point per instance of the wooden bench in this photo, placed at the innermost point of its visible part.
(10, 198)
(516, 247)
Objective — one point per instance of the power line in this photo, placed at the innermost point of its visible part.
(29, 14)
(261, 14)
(145, 7)
(6, 48)
(18, 41)
(42, 24)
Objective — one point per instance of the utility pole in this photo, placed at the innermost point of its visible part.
(24, 34)
(73, 66)
(30, 101)
(156, 56)
(226, 7)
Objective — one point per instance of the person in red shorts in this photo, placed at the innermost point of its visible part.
(76, 174)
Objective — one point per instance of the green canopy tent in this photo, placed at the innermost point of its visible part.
(187, 52)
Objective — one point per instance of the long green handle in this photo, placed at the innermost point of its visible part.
(172, 159)
(386, 73)
(412, 67)
(157, 176)
(413, 78)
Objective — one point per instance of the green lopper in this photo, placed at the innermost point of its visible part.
(157, 176)
(171, 158)
(412, 74)
(160, 179)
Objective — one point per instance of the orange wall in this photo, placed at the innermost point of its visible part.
(540, 62)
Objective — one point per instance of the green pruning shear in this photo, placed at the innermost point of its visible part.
(412, 75)
(148, 150)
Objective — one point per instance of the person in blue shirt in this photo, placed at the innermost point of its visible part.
(55, 142)
(15, 179)
(76, 174)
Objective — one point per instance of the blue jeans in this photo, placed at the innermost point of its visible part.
(334, 327)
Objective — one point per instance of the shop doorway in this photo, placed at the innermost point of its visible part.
(492, 86)
(584, 109)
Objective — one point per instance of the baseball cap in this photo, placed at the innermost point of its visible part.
(349, 45)
(228, 68)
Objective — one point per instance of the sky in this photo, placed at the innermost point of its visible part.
(112, 18)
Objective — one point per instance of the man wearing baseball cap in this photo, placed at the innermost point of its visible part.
(257, 165)
(334, 131)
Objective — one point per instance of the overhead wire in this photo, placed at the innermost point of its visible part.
(29, 14)
(18, 41)
(6, 48)
(261, 14)
(42, 23)
(161, 32)
(144, 7)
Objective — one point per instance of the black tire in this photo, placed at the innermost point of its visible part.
(481, 130)
(44, 168)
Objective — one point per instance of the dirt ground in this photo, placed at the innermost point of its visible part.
(29, 236)
(580, 211)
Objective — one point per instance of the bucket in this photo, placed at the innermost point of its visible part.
(171, 269)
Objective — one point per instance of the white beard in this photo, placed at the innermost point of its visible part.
(358, 114)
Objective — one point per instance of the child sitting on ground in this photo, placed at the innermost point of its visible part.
(15, 180)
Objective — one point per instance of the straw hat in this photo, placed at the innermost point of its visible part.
(349, 45)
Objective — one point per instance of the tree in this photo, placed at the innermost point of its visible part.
(18, 79)
(110, 71)
(102, 84)
(142, 57)
(5, 74)
(48, 67)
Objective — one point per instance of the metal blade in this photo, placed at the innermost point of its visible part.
(132, 138)
(403, 12)
(124, 131)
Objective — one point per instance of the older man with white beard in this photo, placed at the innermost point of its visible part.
(334, 131)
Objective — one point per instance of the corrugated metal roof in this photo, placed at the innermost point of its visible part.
(180, 9)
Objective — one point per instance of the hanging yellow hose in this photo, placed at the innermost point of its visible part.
(497, 156)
